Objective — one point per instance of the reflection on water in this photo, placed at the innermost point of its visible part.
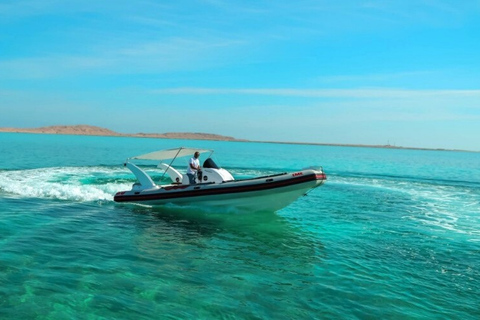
(267, 234)
(208, 258)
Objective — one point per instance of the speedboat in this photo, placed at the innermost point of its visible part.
(216, 186)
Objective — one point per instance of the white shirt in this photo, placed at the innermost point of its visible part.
(195, 163)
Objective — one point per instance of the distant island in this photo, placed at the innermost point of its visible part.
(98, 131)
(88, 130)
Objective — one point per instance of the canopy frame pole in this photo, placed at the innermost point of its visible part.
(180, 149)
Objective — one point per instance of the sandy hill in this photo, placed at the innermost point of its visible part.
(98, 131)
(186, 136)
(78, 129)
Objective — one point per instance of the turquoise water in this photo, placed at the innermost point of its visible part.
(393, 234)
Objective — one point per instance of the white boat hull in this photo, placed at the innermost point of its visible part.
(260, 194)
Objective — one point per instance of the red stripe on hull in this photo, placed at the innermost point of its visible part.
(121, 197)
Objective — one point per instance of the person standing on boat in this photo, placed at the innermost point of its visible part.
(193, 168)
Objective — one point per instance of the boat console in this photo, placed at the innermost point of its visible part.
(210, 173)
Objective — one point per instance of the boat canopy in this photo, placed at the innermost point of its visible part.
(170, 153)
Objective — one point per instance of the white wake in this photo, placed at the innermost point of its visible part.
(65, 183)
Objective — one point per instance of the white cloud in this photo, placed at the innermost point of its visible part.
(327, 93)
(375, 77)
(142, 57)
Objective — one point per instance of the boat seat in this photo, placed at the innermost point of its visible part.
(173, 173)
(185, 180)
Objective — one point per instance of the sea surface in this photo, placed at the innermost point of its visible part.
(392, 234)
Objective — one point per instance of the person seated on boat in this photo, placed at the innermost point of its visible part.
(193, 168)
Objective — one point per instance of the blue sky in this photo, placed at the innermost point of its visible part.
(361, 72)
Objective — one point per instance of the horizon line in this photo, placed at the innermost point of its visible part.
(199, 134)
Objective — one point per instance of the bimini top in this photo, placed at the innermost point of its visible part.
(170, 153)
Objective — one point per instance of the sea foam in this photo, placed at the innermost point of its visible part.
(65, 183)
